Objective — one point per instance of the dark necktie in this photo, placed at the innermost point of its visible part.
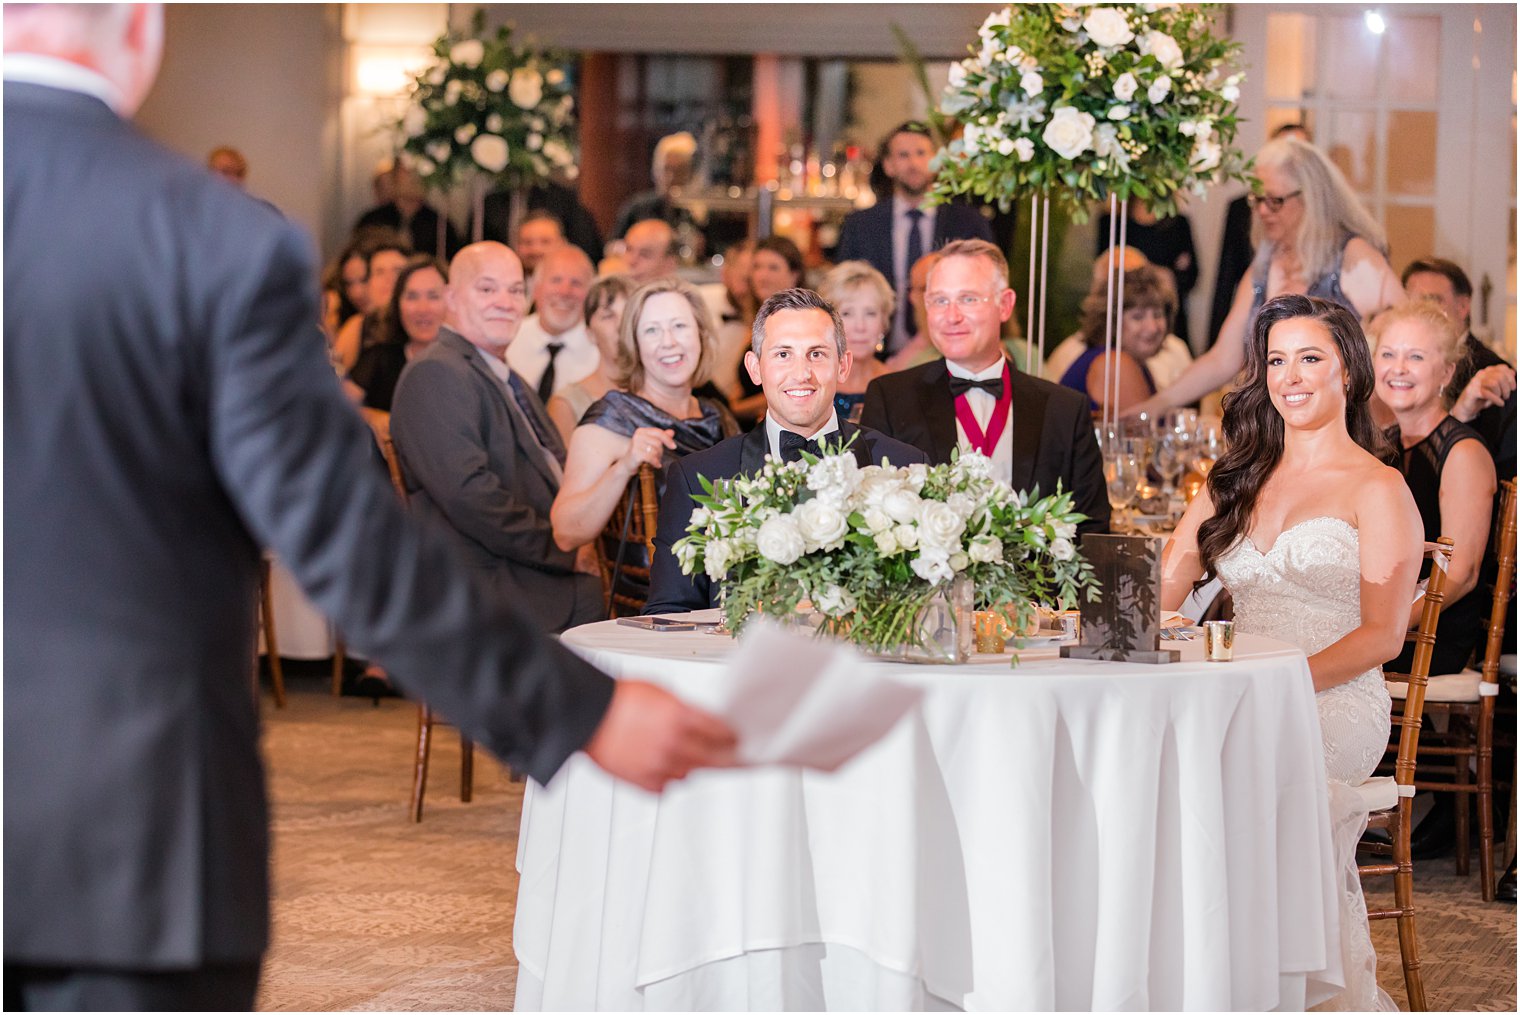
(794, 444)
(915, 251)
(546, 382)
(538, 420)
(960, 385)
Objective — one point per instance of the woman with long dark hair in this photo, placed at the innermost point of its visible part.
(1281, 522)
(409, 323)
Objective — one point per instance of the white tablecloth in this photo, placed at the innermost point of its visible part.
(1063, 835)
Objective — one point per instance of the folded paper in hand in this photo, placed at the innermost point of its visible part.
(799, 700)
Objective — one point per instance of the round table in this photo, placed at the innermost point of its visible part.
(1055, 835)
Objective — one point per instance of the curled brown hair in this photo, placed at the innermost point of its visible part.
(1254, 428)
(628, 368)
(1145, 286)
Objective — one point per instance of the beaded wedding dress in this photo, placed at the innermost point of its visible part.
(1306, 590)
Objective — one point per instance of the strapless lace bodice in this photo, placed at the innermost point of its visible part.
(1306, 590)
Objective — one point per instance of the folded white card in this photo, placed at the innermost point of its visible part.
(799, 700)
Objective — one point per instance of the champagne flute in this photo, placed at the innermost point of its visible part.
(1208, 446)
(1122, 472)
(1170, 458)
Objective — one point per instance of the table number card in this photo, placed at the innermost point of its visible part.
(1124, 624)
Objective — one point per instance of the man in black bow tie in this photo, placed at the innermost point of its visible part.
(797, 356)
(1037, 434)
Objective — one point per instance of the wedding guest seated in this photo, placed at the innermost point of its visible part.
(1445, 464)
(1166, 243)
(670, 170)
(345, 289)
(553, 349)
(1482, 390)
(775, 266)
(539, 233)
(1149, 307)
(798, 356)
(650, 250)
(605, 301)
(651, 416)
(1037, 434)
(408, 325)
(1165, 366)
(738, 310)
(384, 257)
(865, 302)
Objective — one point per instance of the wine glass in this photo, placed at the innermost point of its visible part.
(1170, 460)
(1122, 471)
(1208, 446)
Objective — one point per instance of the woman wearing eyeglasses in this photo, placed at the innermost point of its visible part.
(1313, 238)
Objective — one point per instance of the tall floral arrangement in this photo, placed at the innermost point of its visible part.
(869, 547)
(493, 107)
(1080, 101)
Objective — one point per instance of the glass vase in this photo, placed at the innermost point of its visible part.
(943, 631)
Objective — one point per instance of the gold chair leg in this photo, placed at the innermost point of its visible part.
(1462, 778)
(271, 644)
(337, 671)
(1485, 736)
(419, 779)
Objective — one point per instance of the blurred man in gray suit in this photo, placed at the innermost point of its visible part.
(169, 409)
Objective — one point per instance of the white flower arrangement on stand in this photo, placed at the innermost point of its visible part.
(1082, 101)
(870, 548)
(491, 111)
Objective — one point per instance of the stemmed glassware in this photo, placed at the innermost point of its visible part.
(1208, 446)
(1121, 469)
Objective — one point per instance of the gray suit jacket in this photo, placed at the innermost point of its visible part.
(169, 408)
(472, 471)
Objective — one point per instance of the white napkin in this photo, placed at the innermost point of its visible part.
(799, 700)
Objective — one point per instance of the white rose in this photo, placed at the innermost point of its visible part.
(876, 520)
(886, 544)
(939, 526)
(526, 89)
(1107, 27)
(1025, 148)
(439, 151)
(1164, 48)
(959, 562)
(424, 167)
(835, 601)
(555, 76)
(494, 123)
(437, 74)
(1125, 86)
(468, 53)
(535, 142)
(1032, 83)
(1005, 146)
(1159, 89)
(906, 536)
(933, 567)
(986, 549)
(1061, 549)
(496, 81)
(822, 524)
(1206, 155)
(963, 504)
(1069, 132)
(451, 91)
(1187, 128)
(779, 540)
(1120, 112)
(971, 137)
(957, 78)
(902, 505)
(490, 152)
(1230, 93)
(465, 132)
(415, 121)
(918, 475)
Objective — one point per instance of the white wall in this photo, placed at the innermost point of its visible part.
(267, 80)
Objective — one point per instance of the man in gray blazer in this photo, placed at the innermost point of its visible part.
(169, 408)
(481, 457)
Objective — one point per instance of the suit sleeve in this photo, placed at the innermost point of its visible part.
(437, 430)
(1085, 477)
(296, 461)
(670, 591)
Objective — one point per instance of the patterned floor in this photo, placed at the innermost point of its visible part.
(374, 913)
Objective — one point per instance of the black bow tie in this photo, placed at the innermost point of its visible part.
(794, 444)
(960, 385)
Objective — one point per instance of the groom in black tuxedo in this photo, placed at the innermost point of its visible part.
(797, 356)
(1037, 434)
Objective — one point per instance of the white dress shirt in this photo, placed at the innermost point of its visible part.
(982, 403)
(529, 353)
(773, 431)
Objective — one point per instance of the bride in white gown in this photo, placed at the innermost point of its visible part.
(1282, 524)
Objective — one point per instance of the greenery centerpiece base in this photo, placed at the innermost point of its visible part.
(891, 559)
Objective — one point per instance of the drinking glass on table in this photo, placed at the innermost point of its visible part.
(1208, 446)
(1170, 460)
(1122, 471)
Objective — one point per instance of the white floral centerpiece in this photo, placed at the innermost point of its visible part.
(1080, 101)
(490, 106)
(870, 547)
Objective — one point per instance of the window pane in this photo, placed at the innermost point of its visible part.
(1411, 151)
(1290, 56)
(1411, 234)
(1414, 59)
(1351, 144)
(1351, 70)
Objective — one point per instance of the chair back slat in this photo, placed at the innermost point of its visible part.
(649, 507)
(1503, 580)
(380, 422)
(632, 524)
(1419, 670)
